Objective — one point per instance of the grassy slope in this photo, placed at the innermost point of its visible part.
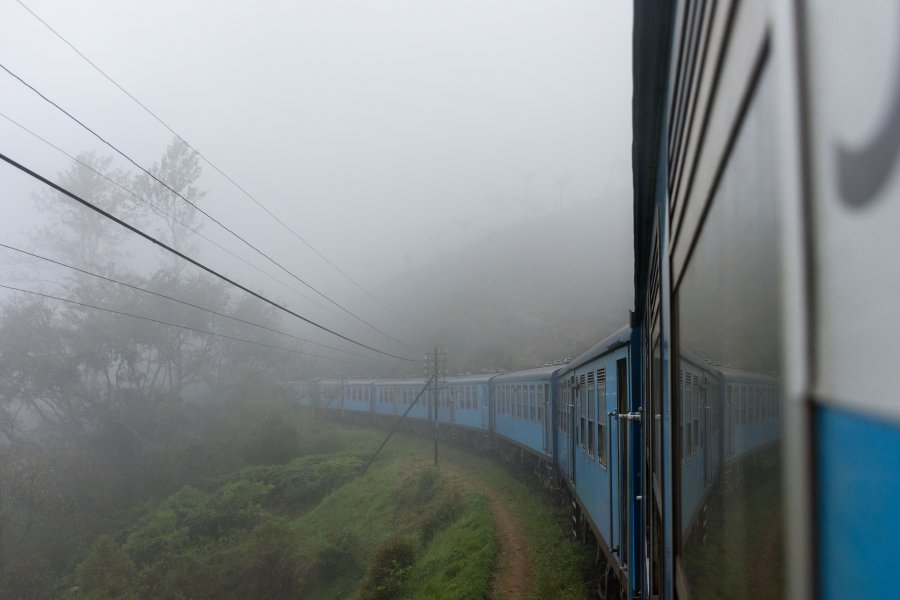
(312, 529)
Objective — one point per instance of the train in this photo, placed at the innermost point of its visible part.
(573, 423)
(740, 437)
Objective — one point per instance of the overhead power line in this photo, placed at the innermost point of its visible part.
(184, 302)
(195, 329)
(187, 258)
(200, 154)
(196, 207)
(169, 215)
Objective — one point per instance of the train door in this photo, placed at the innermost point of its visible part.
(547, 417)
(573, 426)
(623, 430)
(450, 404)
(707, 431)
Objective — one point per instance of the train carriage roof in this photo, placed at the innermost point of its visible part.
(469, 379)
(528, 374)
(417, 381)
(620, 338)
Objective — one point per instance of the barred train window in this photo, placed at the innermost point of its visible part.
(582, 401)
(728, 483)
(601, 417)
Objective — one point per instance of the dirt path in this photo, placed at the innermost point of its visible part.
(512, 579)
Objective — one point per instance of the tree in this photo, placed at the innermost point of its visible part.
(179, 169)
(74, 231)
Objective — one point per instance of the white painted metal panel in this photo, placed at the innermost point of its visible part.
(853, 64)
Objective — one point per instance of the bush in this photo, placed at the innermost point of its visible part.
(440, 513)
(106, 572)
(339, 556)
(389, 571)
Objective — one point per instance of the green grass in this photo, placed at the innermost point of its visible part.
(558, 562)
(313, 528)
(458, 562)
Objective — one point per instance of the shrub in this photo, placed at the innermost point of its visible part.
(440, 513)
(106, 572)
(389, 571)
(338, 556)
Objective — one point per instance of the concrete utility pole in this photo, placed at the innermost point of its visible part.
(436, 368)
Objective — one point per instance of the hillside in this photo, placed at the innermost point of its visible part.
(314, 528)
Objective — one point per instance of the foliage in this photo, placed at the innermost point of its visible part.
(458, 562)
(389, 571)
(310, 528)
(106, 572)
(100, 413)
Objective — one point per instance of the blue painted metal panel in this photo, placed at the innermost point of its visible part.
(858, 472)
(459, 413)
(523, 431)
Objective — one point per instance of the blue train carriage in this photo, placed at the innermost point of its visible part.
(523, 410)
(394, 396)
(464, 402)
(701, 421)
(727, 416)
(598, 434)
(357, 396)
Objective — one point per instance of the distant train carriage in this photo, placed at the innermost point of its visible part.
(356, 395)
(523, 408)
(394, 397)
(464, 401)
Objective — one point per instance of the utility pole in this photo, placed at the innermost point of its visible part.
(436, 368)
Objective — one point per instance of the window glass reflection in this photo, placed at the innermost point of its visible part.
(728, 381)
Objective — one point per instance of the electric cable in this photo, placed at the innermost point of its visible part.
(201, 155)
(195, 329)
(206, 214)
(184, 302)
(187, 258)
(169, 215)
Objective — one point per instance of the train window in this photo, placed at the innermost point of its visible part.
(725, 309)
(534, 402)
(698, 407)
(601, 417)
(582, 409)
(527, 395)
(591, 400)
(517, 392)
(522, 406)
(540, 403)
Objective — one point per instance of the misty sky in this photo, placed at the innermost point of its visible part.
(383, 132)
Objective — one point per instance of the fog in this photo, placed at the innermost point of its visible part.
(447, 173)
(386, 135)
